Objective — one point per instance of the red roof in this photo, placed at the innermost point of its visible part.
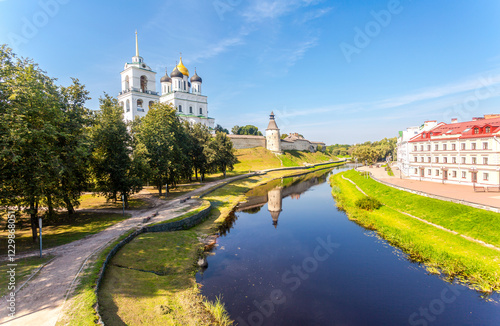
(461, 130)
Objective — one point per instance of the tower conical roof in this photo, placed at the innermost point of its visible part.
(272, 123)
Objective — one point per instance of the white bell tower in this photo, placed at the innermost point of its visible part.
(138, 91)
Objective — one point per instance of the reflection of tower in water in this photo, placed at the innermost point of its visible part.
(274, 204)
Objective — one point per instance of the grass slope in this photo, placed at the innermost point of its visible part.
(440, 251)
(254, 159)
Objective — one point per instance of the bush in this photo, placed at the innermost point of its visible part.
(368, 203)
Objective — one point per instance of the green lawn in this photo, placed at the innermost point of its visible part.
(82, 225)
(95, 201)
(25, 267)
(476, 223)
(440, 251)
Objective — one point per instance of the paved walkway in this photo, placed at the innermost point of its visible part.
(457, 192)
(40, 301)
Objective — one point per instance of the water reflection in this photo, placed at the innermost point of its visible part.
(273, 193)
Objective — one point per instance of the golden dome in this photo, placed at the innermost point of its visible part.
(182, 68)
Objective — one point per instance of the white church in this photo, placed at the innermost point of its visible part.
(183, 93)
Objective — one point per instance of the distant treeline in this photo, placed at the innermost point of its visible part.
(370, 152)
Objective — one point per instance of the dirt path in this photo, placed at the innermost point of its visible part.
(41, 300)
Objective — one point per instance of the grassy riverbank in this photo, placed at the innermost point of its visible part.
(442, 252)
(259, 158)
(152, 279)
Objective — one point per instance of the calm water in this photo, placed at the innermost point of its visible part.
(292, 258)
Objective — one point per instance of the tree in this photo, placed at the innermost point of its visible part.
(73, 145)
(30, 117)
(221, 154)
(200, 138)
(219, 128)
(365, 153)
(160, 133)
(283, 136)
(235, 130)
(112, 161)
(247, 130)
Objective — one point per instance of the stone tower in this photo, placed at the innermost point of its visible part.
(273, 141)
(274, 204)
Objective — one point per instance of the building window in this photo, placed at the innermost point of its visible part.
(485, 176)
(151, 104)
(453, 147)
(437, 172)
(127, 84)
(428, 147)
(485, 145)
(485, 160)
(464, 174)
(474, 160)
(473, 146)
(180, 108)
(144, 83)
(422, 159)
(416, 171)
(422, 147)
(128, 105)
(191, 109)
(429, 159)
(454, 174)
(444, 147)
(139, 103)
(487, 130)
(424, 135)
(415, 148)
(201, 111)
(454, 160)
(476, 131)
(445, 160)
(462, 146)
(429, 172)
(436, 159)
(436, 147)
(415, 159)
(463, 160)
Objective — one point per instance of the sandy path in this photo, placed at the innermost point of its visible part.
(41, 300)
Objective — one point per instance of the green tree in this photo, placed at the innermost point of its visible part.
(219, 128)
(283, 136)
(200, 138)
(73, 145)
(235, 130)
(159, 132)
(30, 117)
(365, 153)
(221, 153)
(112, 161)
(249, 130)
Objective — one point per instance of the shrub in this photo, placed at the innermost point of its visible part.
(368, 203)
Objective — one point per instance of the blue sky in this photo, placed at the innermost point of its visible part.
(335, 71)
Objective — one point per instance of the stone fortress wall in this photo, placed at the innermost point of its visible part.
(247, 141)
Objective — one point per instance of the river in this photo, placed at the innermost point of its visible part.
(288, 256)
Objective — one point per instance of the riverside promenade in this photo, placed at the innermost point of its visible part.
(453, 192)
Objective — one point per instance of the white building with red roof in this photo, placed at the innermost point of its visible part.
(465, 153)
